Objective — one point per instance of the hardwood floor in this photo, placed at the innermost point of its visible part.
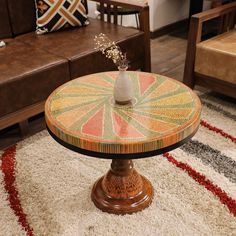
(168, 55)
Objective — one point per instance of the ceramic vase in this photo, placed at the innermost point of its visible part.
(123, 92)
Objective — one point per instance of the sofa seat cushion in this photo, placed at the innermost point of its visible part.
(28, 75)
(77, 45)
(216, 57)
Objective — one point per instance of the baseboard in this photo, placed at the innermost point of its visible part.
(169, 28)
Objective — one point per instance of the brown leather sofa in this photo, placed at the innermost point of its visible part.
(32, 66)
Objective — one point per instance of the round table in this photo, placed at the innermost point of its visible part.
(82, 116)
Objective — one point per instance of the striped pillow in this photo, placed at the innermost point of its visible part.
(53, 15)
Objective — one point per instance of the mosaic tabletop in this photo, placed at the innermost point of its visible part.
(82, 113)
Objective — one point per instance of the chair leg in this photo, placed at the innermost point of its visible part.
(24, 128)
(136, 17)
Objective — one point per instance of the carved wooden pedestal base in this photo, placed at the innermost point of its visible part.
(122, 190)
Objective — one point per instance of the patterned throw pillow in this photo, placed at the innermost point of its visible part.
(53, 15)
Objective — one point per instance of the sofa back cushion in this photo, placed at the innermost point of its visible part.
(22, 16)
(5, 28)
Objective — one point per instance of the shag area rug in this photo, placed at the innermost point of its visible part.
(45, 188)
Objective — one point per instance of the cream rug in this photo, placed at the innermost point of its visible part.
(45, 188)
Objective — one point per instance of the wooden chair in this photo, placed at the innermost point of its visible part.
(121, 11)
(110, 10)
(211, 63)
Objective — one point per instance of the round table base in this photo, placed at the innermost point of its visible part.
(122, 190)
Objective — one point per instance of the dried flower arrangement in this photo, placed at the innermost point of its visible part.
(111, 50)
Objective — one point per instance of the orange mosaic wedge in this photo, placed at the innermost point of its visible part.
(82, 113)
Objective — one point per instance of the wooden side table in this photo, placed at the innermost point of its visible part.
(82, 116)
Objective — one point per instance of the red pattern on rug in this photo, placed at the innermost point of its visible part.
(8, 169)
(217, 130)
(202, 180)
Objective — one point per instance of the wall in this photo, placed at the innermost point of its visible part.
(164, 12)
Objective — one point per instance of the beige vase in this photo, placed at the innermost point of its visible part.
(123, 91)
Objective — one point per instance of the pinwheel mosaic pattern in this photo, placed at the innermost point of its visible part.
(82, 113)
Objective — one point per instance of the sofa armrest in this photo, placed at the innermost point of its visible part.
(226, 13)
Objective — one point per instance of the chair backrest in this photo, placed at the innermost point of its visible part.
(5, 27)
(216, 3)
(110, 11)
